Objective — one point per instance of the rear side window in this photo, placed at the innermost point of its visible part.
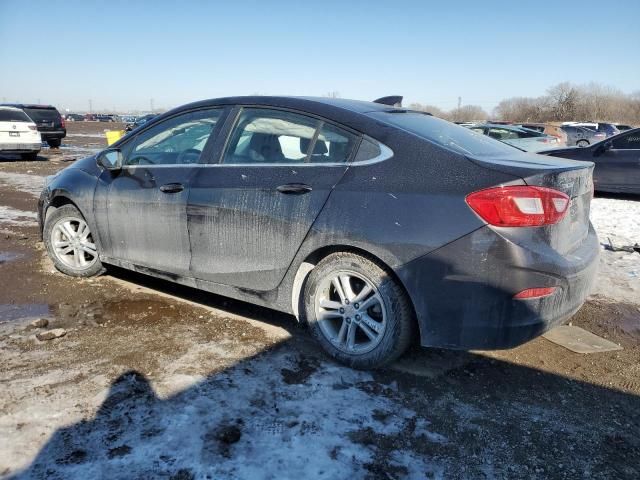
(13, 116)
(368, 150)
(445, 134)
(265, 136)
(40, 114)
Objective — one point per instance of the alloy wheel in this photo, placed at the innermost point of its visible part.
(350, 312)
(73, 244)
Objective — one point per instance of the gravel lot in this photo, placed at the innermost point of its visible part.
(153, 380)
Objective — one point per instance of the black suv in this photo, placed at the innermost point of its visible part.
(48, 120)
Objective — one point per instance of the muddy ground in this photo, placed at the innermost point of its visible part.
(153, 380)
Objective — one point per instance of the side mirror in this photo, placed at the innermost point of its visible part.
(111, 159)
(603, 147)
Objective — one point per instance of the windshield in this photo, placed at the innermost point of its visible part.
(13, 116)
(446, 134)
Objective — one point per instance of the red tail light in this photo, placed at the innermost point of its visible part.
(535, 293)
(62, 122)
(32, 127)
(519, 206)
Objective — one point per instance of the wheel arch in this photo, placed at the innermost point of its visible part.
(58, 201)
(312, 259)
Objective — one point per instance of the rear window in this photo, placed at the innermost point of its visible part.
(13, 116)
(38, 114)
(445, 134)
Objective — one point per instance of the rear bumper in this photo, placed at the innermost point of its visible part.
(20, 147)
(463, 292)
(53, 135)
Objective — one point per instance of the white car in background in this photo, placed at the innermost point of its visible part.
(18, 133)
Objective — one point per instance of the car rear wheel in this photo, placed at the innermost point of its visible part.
(357, 311)
(70, 243)
(54, 143)
(582, 143)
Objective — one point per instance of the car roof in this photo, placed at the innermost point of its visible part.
(303, 103)
(28, 105)
(350, 113)
(8, 107)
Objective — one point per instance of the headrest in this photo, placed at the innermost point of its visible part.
(320, 148)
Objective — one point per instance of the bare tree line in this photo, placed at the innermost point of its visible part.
(562, 102)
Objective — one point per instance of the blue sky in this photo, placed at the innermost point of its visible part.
(122, 54)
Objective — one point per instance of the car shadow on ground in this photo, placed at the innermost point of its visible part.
(289, 412)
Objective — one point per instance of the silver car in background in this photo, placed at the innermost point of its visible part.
(582, 136)
(522, 138)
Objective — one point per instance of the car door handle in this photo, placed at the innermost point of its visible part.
(172, 188)
(294, 188)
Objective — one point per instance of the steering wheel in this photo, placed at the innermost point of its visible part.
(183, 157)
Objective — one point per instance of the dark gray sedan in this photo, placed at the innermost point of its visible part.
(616, 159)
(376, 225)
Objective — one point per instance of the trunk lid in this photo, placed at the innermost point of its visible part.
(571, 177)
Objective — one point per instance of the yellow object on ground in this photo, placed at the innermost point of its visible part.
(114, 135)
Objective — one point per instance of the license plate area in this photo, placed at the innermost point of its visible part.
(14, 134)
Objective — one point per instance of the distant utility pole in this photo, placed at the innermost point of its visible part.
(90, 106)
(459, 102)
(38, 102)
(151, 104)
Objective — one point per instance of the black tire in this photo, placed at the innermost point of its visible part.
(30, 157)
(63, 213)
(54, 142)
(400, 326)
(582, 143)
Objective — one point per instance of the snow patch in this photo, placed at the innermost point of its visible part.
(13, 216)
(32, 184)
(617, 221)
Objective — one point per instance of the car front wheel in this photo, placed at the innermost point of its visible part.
(70, 243)
(357, 311)
(582, 143)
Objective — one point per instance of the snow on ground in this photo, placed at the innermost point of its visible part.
(13, 216)
(87, 135)
(617, 221)
(244, 423)
(21, 181)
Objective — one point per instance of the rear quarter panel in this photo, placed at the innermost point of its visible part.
(406, 206)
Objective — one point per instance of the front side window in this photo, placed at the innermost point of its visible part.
(264, 136)
(179, 140)
(630, 141)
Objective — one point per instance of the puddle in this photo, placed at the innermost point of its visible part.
(14, 317)
(630, 320)
(6, 257)
(20, 311)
